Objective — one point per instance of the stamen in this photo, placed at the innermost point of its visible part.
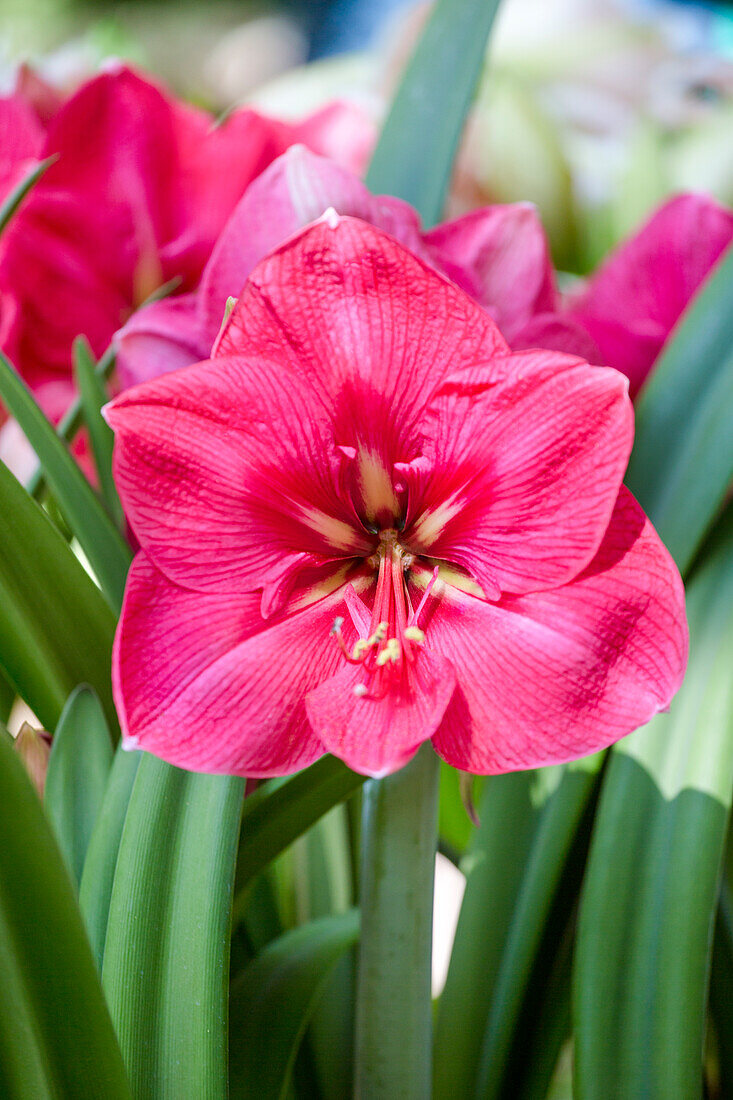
(391, 652)
(415, 634)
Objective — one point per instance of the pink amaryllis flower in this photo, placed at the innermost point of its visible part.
(498, 254)
(365, 522)
(139, 192)
(633, 302)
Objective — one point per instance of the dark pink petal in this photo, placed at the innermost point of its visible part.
(21, 141)
(554, 675)
(229, 477)
(376, 736)
(372, 327)
(296, 189)
(500, 256)
(556, 332)
(161, 337)
(342, 131)
(201, 681)
(45, 100)
(633, 302)
(524, 476)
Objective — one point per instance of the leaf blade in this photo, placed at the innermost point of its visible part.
(683, 422)
(56, 628)
(108, 553)
(277, 813)
(76, 779)
(651, 886)
(167, 945)
(433, 98)
(93, 396)
(273, 1001)
(56, 1036)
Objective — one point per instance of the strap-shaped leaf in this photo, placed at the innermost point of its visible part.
(166, 956)
(7, 697)
(513, 868)
(273, 1000)
(76, 780)
(682, 463)
(56, 1037)
(546, 862)
(72, 420)
(417, 146)
(98, 875)
(56, 628)
(279, 811)
(651, 886)
(721, 981)
(19, 192)
(94, 396)
(108, 553)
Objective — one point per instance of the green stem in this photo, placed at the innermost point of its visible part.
(393, 1008)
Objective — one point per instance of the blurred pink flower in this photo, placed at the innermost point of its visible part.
(632, 303)
(365, 522)
(499, 255)
(141, 189)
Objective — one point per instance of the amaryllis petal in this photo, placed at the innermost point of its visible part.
(228, 477)
(517, 500)
(21, 141)
(556, 332)
(160, 338)
(296, 189)
(365, 321)
(377, 736)
(632, 303)
(554, 675)
(202, 682)
(140, 189)
(500, 256)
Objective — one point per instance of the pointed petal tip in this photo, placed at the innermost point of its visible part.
(331, 218)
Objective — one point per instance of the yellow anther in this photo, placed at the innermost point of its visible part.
(415, 634)
(391, 652)
(380, 632)
(360, 648)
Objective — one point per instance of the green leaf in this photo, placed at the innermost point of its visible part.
(651, 887)
(273, 1000)
(455, 827)
(78, 769)
(166, 956)
(16, 196)
(108, 553)
(56, 1037)
(683, 422)
(721, 985)
(101, 858)
(547, 858)
(93, 397)
(279, 811)
(7, 697)
(528, 822)
(72, 420)
(56, 628)
(414, 157)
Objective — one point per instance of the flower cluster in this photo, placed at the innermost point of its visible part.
(366, 522)
(382, 502)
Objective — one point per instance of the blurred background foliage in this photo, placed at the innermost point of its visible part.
(594, 109)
